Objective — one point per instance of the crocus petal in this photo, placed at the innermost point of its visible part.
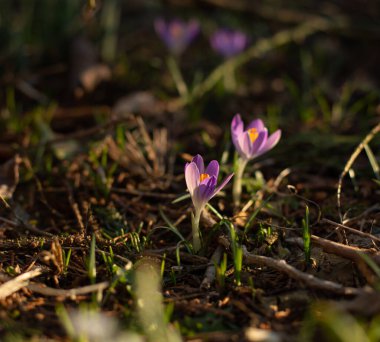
(203, 193)
(160, 27)
(213, 169)
(222, 185)
(210, 187)
(237, 125)
(272, 141)
(192, 30)
(260, 142)
(198, 160)
(239, 41)
(258, 124)
(245, 145)
(228, 43)
(192, 177)
(176, 34)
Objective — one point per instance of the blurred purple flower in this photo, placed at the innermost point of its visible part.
(202, 182)
(253, 141)
(177, 34)
(228, 43)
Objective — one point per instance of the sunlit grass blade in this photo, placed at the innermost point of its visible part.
(237, 251)
(254, 214)
(306, 235)
(181, 198)
(92, 261)
(149, 304)
(332, 324)
(375, 268)
(172, 229)
(373, 161)
(221, 272)
(66, 259)
(65, 320)
(216, 212)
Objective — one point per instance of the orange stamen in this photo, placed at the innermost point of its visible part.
(203, 176)
(253, 134)
(176, 30)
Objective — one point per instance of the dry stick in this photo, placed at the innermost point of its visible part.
(15, 284)
(308, 279)
(210, 271)
(353, 230)
(345, 251)
(351, 253)
(49, 291)
(349, 163)
(262, 46)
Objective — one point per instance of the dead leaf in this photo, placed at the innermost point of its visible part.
(86, 73)
(142, 102)
(9, 177)
(92, 76)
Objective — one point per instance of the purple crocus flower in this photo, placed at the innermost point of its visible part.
(253, 141)
(228, 43)
(202, 185)
(177, 34)
(202, 182)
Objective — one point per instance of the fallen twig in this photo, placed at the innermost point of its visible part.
(308, 279)
(49, 291)
(12, 285)
(352, 253)
(348, 252)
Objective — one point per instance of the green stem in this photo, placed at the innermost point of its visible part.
(236, 188)
(177, 76)
(261, 48)
(195, 228)
(229, 78)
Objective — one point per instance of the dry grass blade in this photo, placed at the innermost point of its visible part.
(148, 143)
(15, 284)
(352, 230)
(143, 153)
(308, 279)
(156, 148)
(349, 163)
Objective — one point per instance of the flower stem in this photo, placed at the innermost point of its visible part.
(236, 188)
(177, 76)
(229, 78)
(195, 227)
